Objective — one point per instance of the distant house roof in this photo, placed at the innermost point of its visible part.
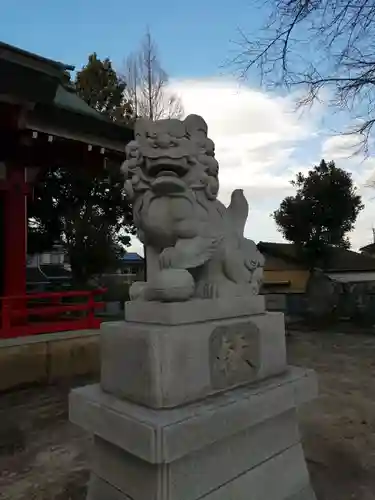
(281, 254)
(368, 248)
(132, 257)
(277, 263)
(340, 260)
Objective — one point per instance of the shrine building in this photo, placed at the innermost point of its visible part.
(43, 124)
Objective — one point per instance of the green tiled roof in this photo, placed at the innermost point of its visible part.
(57, 108)
(68, 99)
(22, 57)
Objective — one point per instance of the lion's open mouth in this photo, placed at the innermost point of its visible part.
(166, 173)
(167, 170)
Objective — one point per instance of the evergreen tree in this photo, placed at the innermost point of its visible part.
(99, 85)
(85, 208)
(321, 213)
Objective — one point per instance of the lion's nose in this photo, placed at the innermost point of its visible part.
(164, 141)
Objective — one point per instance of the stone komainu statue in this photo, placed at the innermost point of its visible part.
(195, 246)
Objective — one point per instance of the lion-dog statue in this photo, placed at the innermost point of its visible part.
(195, 247)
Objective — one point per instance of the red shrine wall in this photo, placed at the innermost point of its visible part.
(14, 232)
(2, 263)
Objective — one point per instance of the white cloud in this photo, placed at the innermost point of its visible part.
(256, 137)
(261, 143)
(339, 147)
(362, 234)
(342, 149)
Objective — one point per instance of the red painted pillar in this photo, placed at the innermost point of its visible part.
(15, 231)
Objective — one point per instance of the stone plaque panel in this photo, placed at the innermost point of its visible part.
(234, 352)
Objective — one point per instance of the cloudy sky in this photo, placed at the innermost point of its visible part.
(261, 142)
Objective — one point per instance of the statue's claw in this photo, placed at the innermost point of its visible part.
(166, 258)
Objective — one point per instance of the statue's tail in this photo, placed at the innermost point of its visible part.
(237, 212)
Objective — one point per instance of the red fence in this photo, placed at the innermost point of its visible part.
(37, 313)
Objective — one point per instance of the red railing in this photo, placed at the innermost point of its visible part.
(49, 312)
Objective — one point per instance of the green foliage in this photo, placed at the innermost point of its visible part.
(322, 212)
(85, 207)
(99, 85)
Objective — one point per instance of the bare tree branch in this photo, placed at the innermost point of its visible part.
(147, 84)
(318, 44)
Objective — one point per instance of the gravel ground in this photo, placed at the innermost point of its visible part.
(338, 428)
(44, 457)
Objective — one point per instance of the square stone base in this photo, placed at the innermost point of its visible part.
(282, 477)
(101, 490)
(240, 444)
(163, 365)
(202, 471)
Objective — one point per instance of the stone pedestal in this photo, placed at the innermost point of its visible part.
(196, 401)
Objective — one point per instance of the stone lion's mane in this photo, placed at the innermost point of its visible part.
(138, 183)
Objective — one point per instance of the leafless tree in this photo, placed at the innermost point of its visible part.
(318, 44)
(147, 84)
